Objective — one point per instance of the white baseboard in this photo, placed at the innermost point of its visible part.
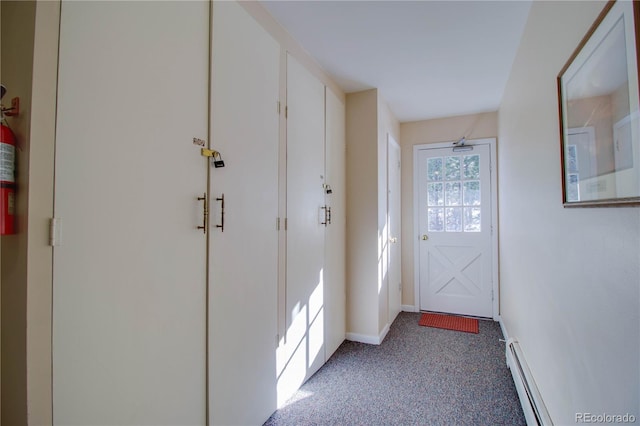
(367, 338)
(410, 308)
(505, 333)
(383, 333)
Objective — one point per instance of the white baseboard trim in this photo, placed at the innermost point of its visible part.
(367, 338)
(383, 333)
(410, 308)
(503, 327)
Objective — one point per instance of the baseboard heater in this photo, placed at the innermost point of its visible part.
(535, 411)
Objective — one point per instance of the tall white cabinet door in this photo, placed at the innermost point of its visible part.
(303, 351)
(394, 271)
(335, 267)
(243, 256)
(129, 265)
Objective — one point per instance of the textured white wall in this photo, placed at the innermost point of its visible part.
(569, 277)
(362, 195)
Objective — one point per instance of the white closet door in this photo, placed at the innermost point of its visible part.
(394, 271)
(303, 351)
(335, 275)
(243, 257)
(129, 267)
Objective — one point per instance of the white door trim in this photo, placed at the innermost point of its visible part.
(494, 219)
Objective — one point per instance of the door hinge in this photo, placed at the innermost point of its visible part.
(54, 232)
(285, 224)
(277, 224)
(286, 112)
(278, 107)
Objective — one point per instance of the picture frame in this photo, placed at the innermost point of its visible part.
(599, 105)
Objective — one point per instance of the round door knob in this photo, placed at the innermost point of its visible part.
(425, 237)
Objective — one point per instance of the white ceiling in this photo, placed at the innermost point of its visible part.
(427, 58)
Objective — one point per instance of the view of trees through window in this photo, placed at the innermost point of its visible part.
(453, 193)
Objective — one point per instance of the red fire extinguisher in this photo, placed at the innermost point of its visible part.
(7, 178)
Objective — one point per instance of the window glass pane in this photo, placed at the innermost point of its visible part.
(436, 219)
(434, 168)
(453, 193)
(453, 216)
(472, 219)
(435, 194)
(471, 195)
(472, 167)
(452, 168)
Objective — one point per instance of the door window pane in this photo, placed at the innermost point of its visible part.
(453, 218)
(435, 194)
(452, 168)
(471, 195)
(453, 194)
(435, 219)
(434, 168)
(472, 166)
(472, 219)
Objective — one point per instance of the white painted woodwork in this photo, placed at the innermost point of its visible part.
(334, 253)
(303, 351)
(243, 258)
(455, 268)
(129, 269)
(394, 269)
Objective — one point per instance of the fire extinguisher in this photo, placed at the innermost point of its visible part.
(7, 177)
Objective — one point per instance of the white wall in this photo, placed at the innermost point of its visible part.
(369, 119)
(29, 58)
(362, 219)
(569, 277)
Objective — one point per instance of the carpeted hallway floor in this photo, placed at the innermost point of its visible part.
(418, 376)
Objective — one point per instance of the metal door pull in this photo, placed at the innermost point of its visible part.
(221, 226)
(205, 212)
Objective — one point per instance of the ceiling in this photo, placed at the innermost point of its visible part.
(428, 59)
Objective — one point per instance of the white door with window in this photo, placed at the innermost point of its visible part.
(454, 218)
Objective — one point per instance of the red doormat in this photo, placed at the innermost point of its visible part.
(449, 322)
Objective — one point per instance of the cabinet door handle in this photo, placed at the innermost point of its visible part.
(205, 212)
(221, 225)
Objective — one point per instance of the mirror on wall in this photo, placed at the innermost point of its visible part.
(599, 113)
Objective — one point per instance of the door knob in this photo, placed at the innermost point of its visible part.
(425, 237)
(393, 239)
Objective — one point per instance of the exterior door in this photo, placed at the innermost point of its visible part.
(454, 219)
(393, 226)
(129, 268)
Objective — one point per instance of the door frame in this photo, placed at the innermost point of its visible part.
(492, 142)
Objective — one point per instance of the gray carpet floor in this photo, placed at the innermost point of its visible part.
(417, 376)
